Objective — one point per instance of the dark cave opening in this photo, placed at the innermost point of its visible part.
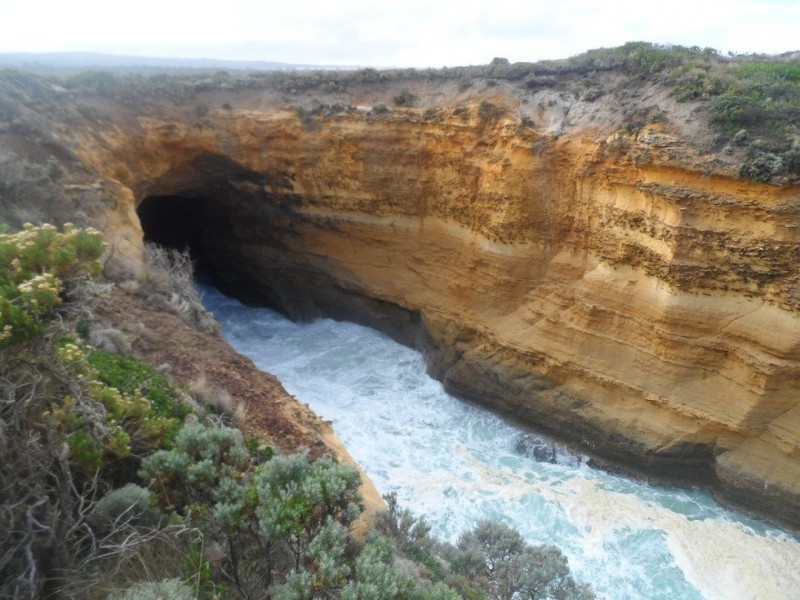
(176, 222)
(249, 249)
(172, 222)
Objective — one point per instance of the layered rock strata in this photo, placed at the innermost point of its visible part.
(619, 291)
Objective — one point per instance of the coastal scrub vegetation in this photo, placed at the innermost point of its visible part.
(757, 94)
(751, 100)
(114, 485)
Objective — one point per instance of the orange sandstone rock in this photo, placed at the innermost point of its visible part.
(620, 291)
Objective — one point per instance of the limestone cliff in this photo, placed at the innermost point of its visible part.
(621, 290)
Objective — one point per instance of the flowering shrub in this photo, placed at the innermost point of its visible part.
(66, 434)
(116, 404)
(131, 420)
(37, 266)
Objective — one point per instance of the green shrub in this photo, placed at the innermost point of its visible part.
(84, 450)
(375, 577)
(289, 514)
(491, 561)
(327, 552)
(497, 558)
(407, 530)
(432, 114)
(791, 161)
(166, 589)
(39, 267)
(204, 465)
(760, 166)
(306, 117)
(260, 451)
(405, 98)
(298, 497)
(129, 504)
(489, 112)
(733, 111)
(130, 376)
(763, 97)
(141, 411)
(768, 71)
(368, 75)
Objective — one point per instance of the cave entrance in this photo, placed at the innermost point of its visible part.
(176, 222)
(251, 247)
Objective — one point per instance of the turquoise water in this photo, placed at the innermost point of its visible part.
(455, 463)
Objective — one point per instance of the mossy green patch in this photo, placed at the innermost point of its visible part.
(129, 375)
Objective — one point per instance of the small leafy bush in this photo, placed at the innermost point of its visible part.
(497, 558)
(400, 524)
(128, 504)
(166, 589)
(791, 161)
(140, 409)
(201, 467)
(488, 111)
(298, 498)
(760, 166)
(289, 514)
(376, 577)
(491, 560)
(380, 109)
(405, 98)
(38, 267)
(131, 376)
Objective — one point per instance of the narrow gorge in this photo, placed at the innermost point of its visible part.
(624, 291)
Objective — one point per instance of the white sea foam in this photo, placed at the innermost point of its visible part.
(455, 463)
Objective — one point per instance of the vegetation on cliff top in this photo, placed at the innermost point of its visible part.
(749, 103)
(116, 484)
(752, 101)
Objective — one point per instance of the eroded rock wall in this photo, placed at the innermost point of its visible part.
(617, 290)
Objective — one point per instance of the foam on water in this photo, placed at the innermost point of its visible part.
(455, 463)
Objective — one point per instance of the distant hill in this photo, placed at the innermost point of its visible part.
(66, 63)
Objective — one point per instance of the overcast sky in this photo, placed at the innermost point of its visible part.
(415, 33)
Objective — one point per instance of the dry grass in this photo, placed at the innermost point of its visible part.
(219, 400)
(166, 555)
(168, 284)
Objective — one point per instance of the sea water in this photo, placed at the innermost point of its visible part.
(456, 463)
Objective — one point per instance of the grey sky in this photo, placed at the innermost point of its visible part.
(409, 33)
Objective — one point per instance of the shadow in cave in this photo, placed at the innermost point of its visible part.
(175, 222)
(249, 251)
(211, 227)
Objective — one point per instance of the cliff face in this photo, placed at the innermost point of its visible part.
(618, 290)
